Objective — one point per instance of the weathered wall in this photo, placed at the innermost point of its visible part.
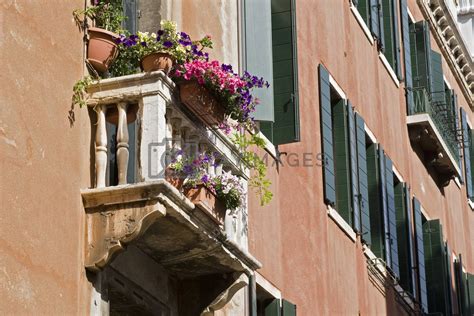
(44, 161)
(217, 18)
(304, 253)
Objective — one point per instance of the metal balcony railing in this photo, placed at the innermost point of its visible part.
(443, 118)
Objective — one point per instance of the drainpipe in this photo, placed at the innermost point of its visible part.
(252, 295)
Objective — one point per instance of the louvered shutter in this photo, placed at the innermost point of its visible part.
(449, 279)
(342, 164)
(363, 6)
(286, 127)
(363, 181)
(457, 126)
(407, 56)
(390, 29)
(375, 202)
(383, 194)
(354, 174)
(437, 81)
(470, 286)
(273, 308)
(411, 242)
(381, 33)
(391, 220)
(374, 17)
(467, 153)
(288, 308)
(404, 240)
(327, 137)
(420, 49)
(130, 13)
(435, 262)
(420, 257)
(258, 52)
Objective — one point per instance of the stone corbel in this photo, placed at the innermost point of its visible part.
(225, 297)
(114, 217)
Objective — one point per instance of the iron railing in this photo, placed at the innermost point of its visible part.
(443, 118)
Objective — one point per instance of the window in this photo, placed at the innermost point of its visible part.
(464, 289)
(383, 227)
(270, 30)
(390, 45)
(404, 237)
(434, 272)
(268, 305)
(337, 130)
(382, 18)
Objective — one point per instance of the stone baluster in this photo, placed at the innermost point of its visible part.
(100, 147)
(176, 133)
(193, 144)
(122, 143)
(219, 168)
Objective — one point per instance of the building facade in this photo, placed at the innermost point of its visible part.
(369, 146)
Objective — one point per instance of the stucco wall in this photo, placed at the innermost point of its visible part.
(304, 253)
(44, 161)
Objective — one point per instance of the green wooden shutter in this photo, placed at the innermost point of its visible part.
(411, 241)
(463, 289)
(374, 17)
(404, 239)
(396, 35)
(449, 278)
(437, 80)
(288, 308)
(457, 126)
(375, 202)
(363, 6)
(435, 261)
(258, 52)
(390, 30)
(391, 220)
(471, 156)
(273, 308)
(354, 173)
(470, 286)
(420, 257)
(130, 13)
(327, 138)
(420, 48)
(286, 127)
(342, 164)
(383, 194)
(407, 56)
(467, 153)
(363, 181)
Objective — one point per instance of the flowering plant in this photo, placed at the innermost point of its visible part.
(230, 88)
(107, 14)
(227, 187)
(166, 40)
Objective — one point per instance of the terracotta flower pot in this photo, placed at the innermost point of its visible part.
(206, 201)
(201, 196)
(201, 102)
(157, 61)
(102, 49)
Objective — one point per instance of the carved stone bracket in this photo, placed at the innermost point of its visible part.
(115, 217)
(225, 297)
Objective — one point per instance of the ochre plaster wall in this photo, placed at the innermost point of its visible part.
(44, 161)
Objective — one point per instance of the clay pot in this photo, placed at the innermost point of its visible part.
(201, 102)
(201, 196)
(157, 61)
(205, 200)
(102, 49)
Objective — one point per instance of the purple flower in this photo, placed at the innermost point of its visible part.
(184, 35)
(167, 44)
(227, 68)
(205, 178)
(143, 44)
(160, 32)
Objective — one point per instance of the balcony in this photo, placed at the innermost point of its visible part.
(432, 128)
(136, 121)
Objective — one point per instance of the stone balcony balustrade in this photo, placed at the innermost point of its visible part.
(136, 121)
